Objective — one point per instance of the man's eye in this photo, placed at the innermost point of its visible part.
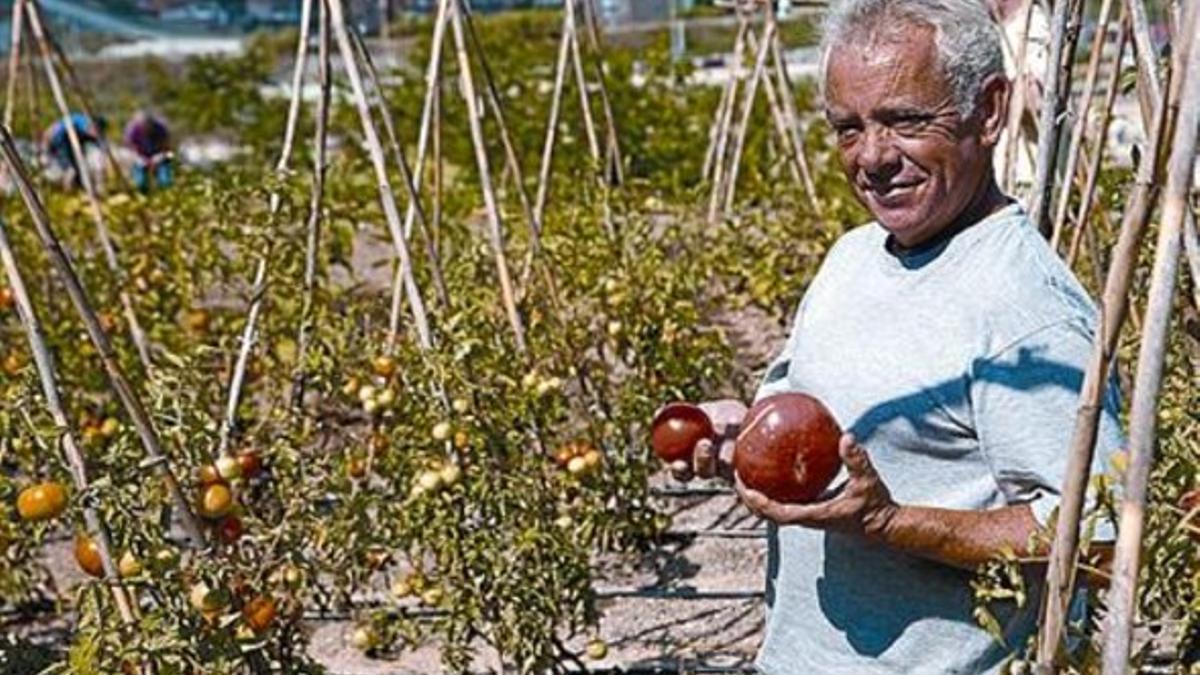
(845, 133)
(910, 123)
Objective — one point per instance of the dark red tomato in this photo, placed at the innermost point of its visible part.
(788, 448)
(676, 430)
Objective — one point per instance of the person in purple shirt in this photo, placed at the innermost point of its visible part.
(150, 140)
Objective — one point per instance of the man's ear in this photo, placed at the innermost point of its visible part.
(992, 108)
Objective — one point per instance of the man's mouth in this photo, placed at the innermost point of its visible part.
(890, 194)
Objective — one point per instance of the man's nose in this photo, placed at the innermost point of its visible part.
(878, 157)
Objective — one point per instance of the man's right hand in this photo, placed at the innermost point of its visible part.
(714, 458)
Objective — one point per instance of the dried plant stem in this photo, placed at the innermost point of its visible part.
(83, 306)
(1057, 81)
(110, 254)
(316, 199)
(1081, 120)
(1151, 356)
(495, 225)
(1114, 307)
(44, 361)
(375, 149)
(1087, 197)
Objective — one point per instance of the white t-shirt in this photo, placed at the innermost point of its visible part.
(958, 367)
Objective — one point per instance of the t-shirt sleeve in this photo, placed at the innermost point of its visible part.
(775, 379)
(1024, 400)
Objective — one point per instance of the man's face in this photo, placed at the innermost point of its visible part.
(909, 156)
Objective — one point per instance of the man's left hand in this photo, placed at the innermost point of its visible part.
(863, 505)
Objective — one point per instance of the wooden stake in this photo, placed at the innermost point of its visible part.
(571, 24)
(1017, 105)
(1151, 355)
(433, 83)
(14, 60)
(83, 306)
(718, 178)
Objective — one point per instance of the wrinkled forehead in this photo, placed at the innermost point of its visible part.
(894, 65)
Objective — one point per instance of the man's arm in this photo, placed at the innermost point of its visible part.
(864, 507)
(965, 539)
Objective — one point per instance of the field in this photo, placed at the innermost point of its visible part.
(459, 491)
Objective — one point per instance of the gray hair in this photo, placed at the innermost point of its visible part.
(967, 39)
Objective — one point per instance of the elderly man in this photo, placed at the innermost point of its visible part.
(947, 339)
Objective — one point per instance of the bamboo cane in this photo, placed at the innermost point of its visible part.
(713, 129)
(433, 83)
(1149, 89)
(110, 254)
(495, 225)
(1082, 216)
(1054, 103)
(1016, 106)
(44, 361)
(739, 142)
(14, 60)
(1081, 120)
(439, 277)
(571, 25)
(510, 151)
(83, 306)
(719, 154)
(560, 75)
(316, 198)
(614, 171)
(85, 103)
(775, 106)
(375, 149)
(1151, 354)
(1114, 307)
(792, 120)
(258, 288)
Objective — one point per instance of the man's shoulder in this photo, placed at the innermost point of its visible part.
(1019, 284)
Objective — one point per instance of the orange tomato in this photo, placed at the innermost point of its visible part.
(216, 502)
(87, 554)
(259, 613)
(43, 501)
